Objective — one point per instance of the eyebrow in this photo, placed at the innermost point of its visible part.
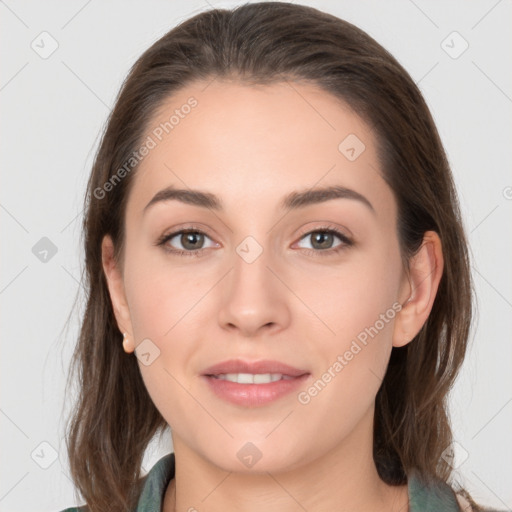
(293, 201)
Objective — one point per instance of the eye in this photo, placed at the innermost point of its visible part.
(191, 240)
(323, 238)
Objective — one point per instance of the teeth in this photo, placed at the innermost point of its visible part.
(250, 378)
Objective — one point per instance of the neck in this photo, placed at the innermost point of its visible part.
(344, 478)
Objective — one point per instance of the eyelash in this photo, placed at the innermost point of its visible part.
(346, 242)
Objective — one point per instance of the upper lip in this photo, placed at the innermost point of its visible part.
(263, 366)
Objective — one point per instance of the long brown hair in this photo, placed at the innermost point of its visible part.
(114, 418)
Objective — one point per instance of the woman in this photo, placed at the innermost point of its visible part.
(302, 358)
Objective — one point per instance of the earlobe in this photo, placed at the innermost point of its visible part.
(116, 290)
(127, 344)
(426, 269)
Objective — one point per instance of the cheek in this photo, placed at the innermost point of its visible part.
(357, 308)
(164, 309)
(351, 296)
(352, 357)
(159, 295)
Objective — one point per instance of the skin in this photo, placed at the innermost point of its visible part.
(252, 145)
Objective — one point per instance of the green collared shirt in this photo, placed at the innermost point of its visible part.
(437, 498)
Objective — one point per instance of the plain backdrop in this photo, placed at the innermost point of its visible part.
(62, 64)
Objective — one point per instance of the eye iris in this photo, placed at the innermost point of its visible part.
(191, 237)
(321, 237)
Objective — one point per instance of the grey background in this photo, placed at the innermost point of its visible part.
(53, 110)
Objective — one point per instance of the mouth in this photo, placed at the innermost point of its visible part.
(264, 367)
(252, 384)
(252, 378)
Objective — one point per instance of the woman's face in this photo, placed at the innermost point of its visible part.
(264, 277)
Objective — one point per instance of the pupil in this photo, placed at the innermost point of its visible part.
(192, 239)
(322, 237)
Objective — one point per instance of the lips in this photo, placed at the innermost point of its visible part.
(254, 367)
(253, 383)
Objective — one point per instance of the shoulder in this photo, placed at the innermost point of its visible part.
(430, 494)
(153, 486)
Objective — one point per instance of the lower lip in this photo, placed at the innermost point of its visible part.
(253, 395)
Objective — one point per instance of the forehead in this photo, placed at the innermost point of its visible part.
(252, 145)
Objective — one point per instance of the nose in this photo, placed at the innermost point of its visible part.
(254, 298)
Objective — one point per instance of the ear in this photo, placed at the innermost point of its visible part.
(426, 269)
(115, 283)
